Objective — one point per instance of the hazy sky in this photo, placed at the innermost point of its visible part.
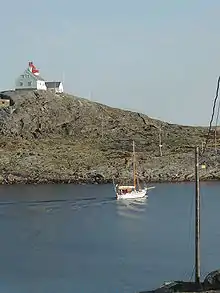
(158, 57)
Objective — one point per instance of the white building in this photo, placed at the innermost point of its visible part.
(55, 86)
(30, 79)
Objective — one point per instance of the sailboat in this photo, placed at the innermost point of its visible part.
(211, 282)
(131, 191)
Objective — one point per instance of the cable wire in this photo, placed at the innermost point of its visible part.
(212, 117)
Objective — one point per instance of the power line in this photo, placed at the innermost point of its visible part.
(216, 124)
(212, 117)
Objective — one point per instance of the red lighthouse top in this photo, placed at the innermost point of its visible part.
(33, 69)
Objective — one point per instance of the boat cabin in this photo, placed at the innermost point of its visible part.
(125, 189)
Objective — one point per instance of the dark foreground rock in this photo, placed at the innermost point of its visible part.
(49, 138)
(210, 284)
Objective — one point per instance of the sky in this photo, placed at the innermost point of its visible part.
(160, 58)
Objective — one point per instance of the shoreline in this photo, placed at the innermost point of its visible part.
(15, 180)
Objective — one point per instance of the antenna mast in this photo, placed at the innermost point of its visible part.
(134, 166)
(90, 95)
(63, 77)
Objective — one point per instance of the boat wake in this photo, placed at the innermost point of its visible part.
(132, 208)
(53, 205)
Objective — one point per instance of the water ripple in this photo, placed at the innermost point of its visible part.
(132, 208)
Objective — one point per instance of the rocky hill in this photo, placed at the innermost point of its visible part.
(61, 138)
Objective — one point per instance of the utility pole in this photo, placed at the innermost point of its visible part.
(197, 218)
(216, 125)
(203, 142)
(102, 124)
(90, 95)
(160, 143)
(215, 140)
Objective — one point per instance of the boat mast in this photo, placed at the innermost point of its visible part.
(134, 166)
(197, 218)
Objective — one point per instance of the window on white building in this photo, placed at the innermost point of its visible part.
(21, 83)
(29, 83)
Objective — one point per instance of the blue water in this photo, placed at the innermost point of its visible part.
(66, 238)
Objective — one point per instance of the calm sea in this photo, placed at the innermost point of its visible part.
(67, 238)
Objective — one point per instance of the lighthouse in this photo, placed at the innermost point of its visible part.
(33, 68)
(30, 79)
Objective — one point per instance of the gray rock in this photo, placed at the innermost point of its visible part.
(61, 138)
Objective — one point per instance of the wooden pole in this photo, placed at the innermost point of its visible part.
(160, 143)
(216, 125)
(102, 125)
(202, 146)
(138, 182)
(197, 218)
(215, 141)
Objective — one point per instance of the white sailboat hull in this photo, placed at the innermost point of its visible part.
(128, 191)
(133, 194)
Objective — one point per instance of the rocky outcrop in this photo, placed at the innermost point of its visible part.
(47, 137)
